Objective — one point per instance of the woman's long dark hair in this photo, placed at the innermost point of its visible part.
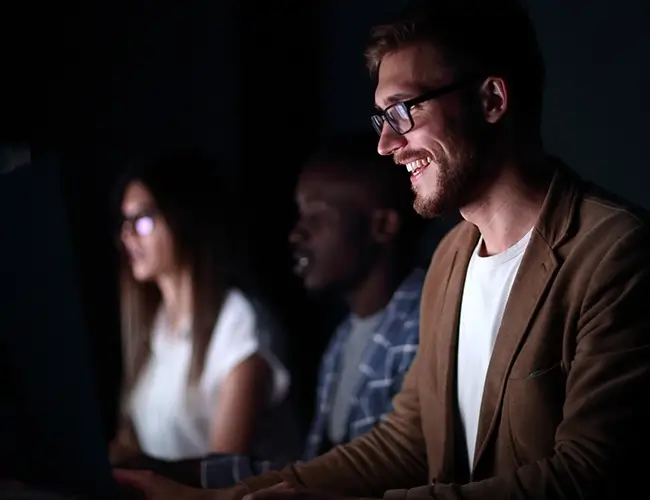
(199, 208)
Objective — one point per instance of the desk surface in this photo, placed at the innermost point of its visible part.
(21, 492)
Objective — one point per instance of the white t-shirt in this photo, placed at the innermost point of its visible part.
(485, 294)
(172, 419)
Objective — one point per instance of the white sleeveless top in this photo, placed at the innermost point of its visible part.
(172, 419)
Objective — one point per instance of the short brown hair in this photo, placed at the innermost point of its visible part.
(484, 37)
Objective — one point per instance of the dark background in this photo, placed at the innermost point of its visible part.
(256, 83)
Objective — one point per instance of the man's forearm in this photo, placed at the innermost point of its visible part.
(382, 459)
(233, 493)
(222, 470)
(391, 455)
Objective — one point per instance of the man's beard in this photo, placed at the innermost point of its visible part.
(454, 178)
(460, 174)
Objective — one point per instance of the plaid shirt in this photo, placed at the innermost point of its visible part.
(385, 362)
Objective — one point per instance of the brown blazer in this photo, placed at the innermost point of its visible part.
(565, 411)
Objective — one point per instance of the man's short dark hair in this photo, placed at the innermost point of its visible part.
(355, 154)
(484, 37)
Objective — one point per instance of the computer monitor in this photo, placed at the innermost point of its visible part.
(50, 428)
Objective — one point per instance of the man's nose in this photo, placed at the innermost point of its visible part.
(128, 234)
(297, 234)
(389, 141)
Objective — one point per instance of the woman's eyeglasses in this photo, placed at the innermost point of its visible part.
(141, 224)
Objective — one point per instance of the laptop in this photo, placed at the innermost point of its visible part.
(51, 434)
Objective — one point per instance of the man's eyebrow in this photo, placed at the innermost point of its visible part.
(395, 98)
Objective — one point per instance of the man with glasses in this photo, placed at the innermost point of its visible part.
(533, 368)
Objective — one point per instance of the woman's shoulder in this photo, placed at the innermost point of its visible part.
(252, 313)
(237, 303)
(242, 329)
(241, 303)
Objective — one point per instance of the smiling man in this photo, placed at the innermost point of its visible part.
(534, 360)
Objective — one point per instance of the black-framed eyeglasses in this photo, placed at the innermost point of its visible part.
(398, 115)
(141, 224)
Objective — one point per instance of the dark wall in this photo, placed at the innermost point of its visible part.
(597, 103)
(280, 120)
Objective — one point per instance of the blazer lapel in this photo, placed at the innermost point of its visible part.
(537, 268)
(446, 352)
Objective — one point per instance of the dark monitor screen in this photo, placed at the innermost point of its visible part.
(50, 428)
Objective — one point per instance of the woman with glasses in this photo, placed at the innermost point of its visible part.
(201, 371)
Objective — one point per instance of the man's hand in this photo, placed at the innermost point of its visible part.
(287, 491)
(157, 487)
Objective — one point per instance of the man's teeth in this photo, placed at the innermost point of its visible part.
(301, 263)
(417, 164)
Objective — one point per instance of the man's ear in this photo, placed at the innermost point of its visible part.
(494, 98)
(386, 224)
